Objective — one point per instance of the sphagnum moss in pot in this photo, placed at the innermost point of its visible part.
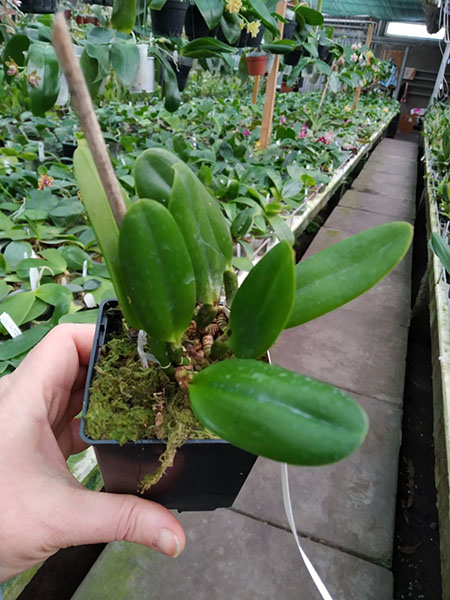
(204, 372)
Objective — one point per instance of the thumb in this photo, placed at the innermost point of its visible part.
(103, 517)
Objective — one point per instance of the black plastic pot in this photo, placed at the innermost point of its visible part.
(207, 474)
(325, 54)
(289, 29)
(392, 127)
(68, 148)
(38, 6)
(247, 41)
(170, 19)
(292, 58)
(195, 25)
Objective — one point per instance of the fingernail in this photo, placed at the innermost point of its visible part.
(167, 542)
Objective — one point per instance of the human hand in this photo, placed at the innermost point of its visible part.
(43, 507)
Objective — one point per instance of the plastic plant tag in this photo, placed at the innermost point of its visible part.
(89, 301)
(85, 268)
(41, 153)
(33, 274)
(9, 324)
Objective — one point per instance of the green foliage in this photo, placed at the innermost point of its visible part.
(276, 413)
(42, 77)
(441, 249)
(123, 16)
(157, 271)
(263, 303)
(347, 269)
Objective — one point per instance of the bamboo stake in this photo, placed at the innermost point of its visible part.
(359, 88)
(271, 88)
(255, 89)
(84, 108)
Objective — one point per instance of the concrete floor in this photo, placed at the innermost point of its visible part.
(345, 512)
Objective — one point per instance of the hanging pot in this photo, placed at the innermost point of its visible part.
(145, 77)
(325, 54)
(289, 30)
(170, 19)
(247, 41)
(206, 474)
(38, 6)
(182, 70)
(256, 63)
(292, 58)
(195, 25)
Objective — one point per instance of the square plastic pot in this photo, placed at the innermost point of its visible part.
(206, 474)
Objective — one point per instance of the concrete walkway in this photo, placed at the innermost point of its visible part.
(345, 512)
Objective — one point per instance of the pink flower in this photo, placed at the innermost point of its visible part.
(303, 131)
(13, 68)
(283, 120)
(354, 57)
(45, 181)
(327, 138)
(246, 132)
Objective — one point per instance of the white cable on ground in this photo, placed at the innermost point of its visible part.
(290, 517)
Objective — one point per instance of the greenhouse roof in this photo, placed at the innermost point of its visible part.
(386, 10)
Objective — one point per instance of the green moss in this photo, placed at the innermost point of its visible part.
(129, 403)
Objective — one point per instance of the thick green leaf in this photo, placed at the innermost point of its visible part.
(83, 316)
(204, 229)
(125, 61)
(74, 257)
(42, 77)
(53, 293)
(16, 251)
(157, 271)
(206, 47)
(311, 16)
(4, 289)
(18, 307)
(100, 53)
(100, 35)
(230, 25)
(263, 303)
(263, 13)
(347, 269)
(90, 68)
(273, 412)
(279, 47)
(23, 343)
(442, 250)
(123, 15)
(55, 258)
(16, 49)
(24, 266)
(103, 223)
(153, 174)
(169, 88)
(211, 11)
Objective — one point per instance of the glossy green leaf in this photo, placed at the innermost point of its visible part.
(42, 77)
(263, 13)
(4, 267)
(53, 293)
(55, 258)
(4, 289)
(229, 23)
(157, 271)
(211, 11)
(100, 35)
(17, 307)
(103, 223)
(279, 47)
(153, 174)
(83, 316)
(206, 47)
(263, 303)
(23, 343)
(90, 68)
(125, 61)
(273, 412)
(24, 266)
(123, 15)
(204, 229)
(16, 49)
(74, 257)
(169, 88)
(100, 53)
(442, 250)
(347, 269)
(311, 16)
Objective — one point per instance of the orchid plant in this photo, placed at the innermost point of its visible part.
(170, 260)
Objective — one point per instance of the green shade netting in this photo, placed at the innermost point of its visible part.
(386, 10)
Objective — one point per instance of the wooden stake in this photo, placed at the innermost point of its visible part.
(84, 108)
(255, 89)
(271, 88)
(359, 88)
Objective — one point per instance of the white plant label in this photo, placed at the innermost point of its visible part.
(89, 300)
(85, 267)
(9, 324)
(41, 152)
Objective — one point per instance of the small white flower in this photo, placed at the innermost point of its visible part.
(354, 57)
